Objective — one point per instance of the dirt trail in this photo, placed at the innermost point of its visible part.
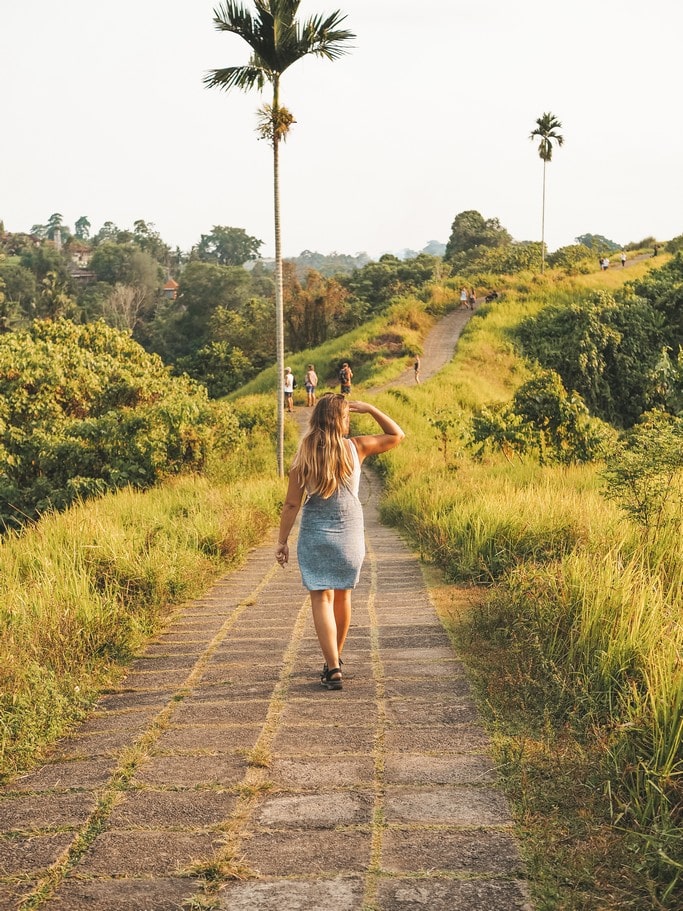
(221, 753)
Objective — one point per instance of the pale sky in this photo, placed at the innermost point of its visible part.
(105, 115)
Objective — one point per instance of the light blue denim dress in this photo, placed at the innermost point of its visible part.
(331, 545)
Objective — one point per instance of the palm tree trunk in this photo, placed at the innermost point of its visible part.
(543, 222)
(279, 293)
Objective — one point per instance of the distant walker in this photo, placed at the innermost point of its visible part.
(345, 377)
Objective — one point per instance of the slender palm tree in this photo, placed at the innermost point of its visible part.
(547, 127)
(277, 40)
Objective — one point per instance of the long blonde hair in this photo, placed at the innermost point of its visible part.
(323, 460)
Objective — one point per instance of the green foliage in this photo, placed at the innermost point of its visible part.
(575, 259)
(505, 260)
(666, 383)
(315, 309)
(603, 347)
(82, 227)
(471, 230)
(675, 245)
(647, 243)
(451, 430)
(644, 473)
(662, 289)
(43, 259)
(498, 428)
(227, 246)
(598, 244)
(220, 367)
(329, 265)
(54, 300)
(19, 285)
(376, 284)
(82, 591)
(84, 409)
(542, 418)
(547, 131)
(204, 288)
(124, 263)
(561, 427)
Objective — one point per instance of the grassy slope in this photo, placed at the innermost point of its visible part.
(566, 724)
(471, 522)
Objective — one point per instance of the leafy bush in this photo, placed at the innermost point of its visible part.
(221, 367)
(643, 473)
(662, 289)
(507, 260)
(675, 245)
(542, 418)
(575, 258)
(606, 349)
(647, 243)
(84, 409)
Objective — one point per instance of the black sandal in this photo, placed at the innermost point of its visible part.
(329, 681)
(325, 668)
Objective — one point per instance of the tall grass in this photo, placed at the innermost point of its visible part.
(586, 612)
(81, 591)
(588, 609)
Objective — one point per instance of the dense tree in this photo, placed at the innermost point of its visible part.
(251, 329)
(312, 307)
(547, 130)
(598, 243)
(330, 264)
(54, 299)
(55, 223)
(108, 232)
(277, 40)
(575, 258)
(507, 260)
(118, 263)
(221, 367)
(43, 259)
(228, 246)
(204, 287)
(10, 314)
(149, 241)
(603, 347)
(82, 228)
(471, 230)
(377, 283)
(19, 285)
(86, 410)
(662, 289)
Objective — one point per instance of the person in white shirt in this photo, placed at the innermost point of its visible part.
(289, 389)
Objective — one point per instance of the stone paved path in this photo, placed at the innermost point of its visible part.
(220, 754)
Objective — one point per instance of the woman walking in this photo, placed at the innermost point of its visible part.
(331, 545)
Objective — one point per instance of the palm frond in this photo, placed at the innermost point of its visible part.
(233, 17)
(323, 37)
(284, 11)
(237, 77)
(547, 127)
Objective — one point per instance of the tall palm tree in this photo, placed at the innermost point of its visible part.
(277, 40)
(547, 127)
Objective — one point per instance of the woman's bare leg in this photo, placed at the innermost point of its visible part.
(322, 603)
(342, 615)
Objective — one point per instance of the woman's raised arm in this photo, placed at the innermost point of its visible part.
(372, 444)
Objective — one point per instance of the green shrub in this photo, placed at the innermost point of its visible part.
(84, 409)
